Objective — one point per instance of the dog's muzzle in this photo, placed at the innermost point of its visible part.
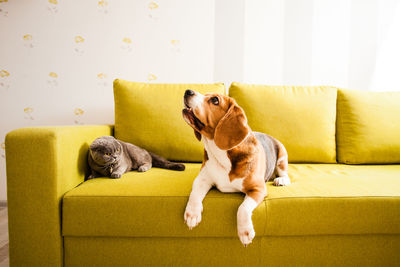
(188, 113)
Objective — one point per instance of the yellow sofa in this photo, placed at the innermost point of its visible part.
(333, 213)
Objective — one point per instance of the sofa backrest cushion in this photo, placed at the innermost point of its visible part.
(150, 116)
(302, 118)
(368, 127)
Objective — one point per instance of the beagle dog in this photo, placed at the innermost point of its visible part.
(236, 159)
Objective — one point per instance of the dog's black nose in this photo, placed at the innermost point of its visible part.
(189, 92)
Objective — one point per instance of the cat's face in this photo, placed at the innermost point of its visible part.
(106, 150)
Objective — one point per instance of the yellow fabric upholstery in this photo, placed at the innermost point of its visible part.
(150, 116)
(336, 199)
(302, 118)
(42, 164)
(112, 207)
(340, 195)
(368, 127)
(154, 251)
(331, 250)
(337, 250)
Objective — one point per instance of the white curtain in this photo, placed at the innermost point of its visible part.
(386, 76)
(351, 44)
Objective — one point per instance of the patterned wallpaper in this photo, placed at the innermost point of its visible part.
(58, 58)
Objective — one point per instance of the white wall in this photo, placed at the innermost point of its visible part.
(58, 58)
(264, 37)
(165, 41)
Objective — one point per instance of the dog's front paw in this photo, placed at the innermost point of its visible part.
(246, 235)
(192, 214)
(281, 181)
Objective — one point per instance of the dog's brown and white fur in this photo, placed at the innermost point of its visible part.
(235, 158)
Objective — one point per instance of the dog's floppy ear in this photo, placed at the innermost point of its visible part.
(197, 134)
(232, 129)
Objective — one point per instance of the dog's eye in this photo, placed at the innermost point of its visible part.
(215, 100)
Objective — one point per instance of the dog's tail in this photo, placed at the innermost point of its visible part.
(160, 162)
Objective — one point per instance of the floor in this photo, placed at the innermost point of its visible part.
(4, 260)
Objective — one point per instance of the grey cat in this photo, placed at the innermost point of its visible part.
(109, 157)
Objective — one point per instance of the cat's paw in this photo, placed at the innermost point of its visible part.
(143, 168)
(116, 175)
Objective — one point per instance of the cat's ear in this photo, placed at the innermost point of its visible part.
(94, 147)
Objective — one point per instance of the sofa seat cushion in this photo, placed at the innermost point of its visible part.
(149, 204)
(326, 199)
(322, 199)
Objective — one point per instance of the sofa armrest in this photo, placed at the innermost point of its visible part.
(43, 163)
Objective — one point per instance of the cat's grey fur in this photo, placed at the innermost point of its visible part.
(109, 157)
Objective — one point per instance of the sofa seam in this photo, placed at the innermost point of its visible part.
(266, 217)
(265, 200)
(234, 236)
